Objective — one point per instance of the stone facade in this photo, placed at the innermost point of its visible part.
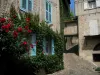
(39, 7)
(89, 31)
(71, 34)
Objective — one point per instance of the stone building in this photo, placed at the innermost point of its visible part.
(71, 29)
(48, 10)
(88, 13)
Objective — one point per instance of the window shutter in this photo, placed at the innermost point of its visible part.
(44, 46)
(98, 3)
(53, 52)
(48, 12)
(93, 27)
(33, 51)
(23, 5)
(29, 5)
(85, 5)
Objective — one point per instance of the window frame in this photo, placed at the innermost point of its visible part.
(48, 21)
(26, 10)
(91, 2)
(33, 41)
(48, 50)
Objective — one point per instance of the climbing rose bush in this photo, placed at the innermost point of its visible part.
(18, 33)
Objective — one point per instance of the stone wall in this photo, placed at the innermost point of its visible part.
(38, 8)
(86, 43)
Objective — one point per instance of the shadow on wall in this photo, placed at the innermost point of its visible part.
(90, 42)
(74, 49)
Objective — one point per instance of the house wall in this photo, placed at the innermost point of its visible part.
(70, 29)
(87, 44)
(38, 8)
(79, 8)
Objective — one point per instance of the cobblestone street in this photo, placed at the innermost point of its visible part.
(75, 65)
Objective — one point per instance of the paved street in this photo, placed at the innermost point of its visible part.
(75, 65)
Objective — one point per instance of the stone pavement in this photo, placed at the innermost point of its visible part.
(75, 65)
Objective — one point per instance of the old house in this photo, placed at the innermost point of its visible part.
(88, 13)
(71, 29)
(48, 10)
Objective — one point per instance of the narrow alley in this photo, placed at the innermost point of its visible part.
(75, 65)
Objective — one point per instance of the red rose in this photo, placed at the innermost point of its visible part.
(2, 20)
(26, 27)
(24, 43)
(14, 16)
(15, 34)
(36, 42)
(27, 19)
(19, 29)
(29, 31)
(7, 30)
(9, 19)
(3, 27)
(31, 45)
(8, 25)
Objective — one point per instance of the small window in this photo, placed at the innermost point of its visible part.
(92, 4)
(26, 5)
(33, 50)
(48, 12)
(93, 27)
(48, 46)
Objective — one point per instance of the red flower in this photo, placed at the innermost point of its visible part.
(26, 27)
(9, 19)
(36, 42)
(3, 27)
(15, 34)
(27, 19)
(14, 16)
(29, 31)
(8, 26)
(19, 29)
(24, 43)
(2, 20)
(7, 30)
(31, 45)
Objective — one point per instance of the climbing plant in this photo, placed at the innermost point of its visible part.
(16, 30)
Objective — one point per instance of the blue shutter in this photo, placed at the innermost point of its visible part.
(44, 45)
(52, 42)
(30, 3)
(33, 51)
(48, 12)
(23, 5)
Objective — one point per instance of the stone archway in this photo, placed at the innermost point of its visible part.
(96, 53)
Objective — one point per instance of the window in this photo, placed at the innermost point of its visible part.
(26, 5)
(92, 4)
(48, 46)
(98, 3)
(93, 26)
(48, 12)
(33, 50)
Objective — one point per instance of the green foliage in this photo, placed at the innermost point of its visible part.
(97, 69)
(50, 63)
